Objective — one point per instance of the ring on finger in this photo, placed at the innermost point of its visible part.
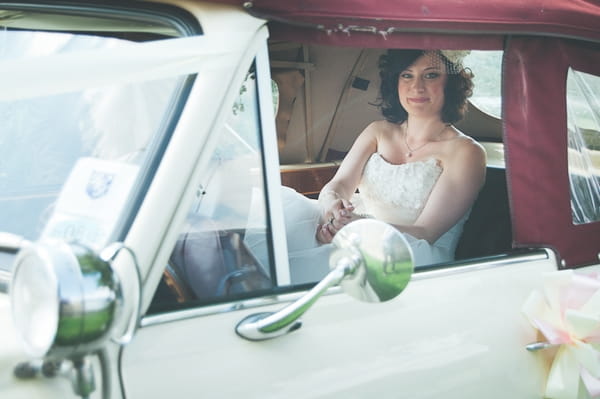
(331, 219)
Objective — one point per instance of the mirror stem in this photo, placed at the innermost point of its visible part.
(266, 325)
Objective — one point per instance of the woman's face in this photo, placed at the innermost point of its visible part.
(421, 86)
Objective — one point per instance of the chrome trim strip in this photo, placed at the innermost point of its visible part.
(482, 264)
(440, 270)
(228, 307)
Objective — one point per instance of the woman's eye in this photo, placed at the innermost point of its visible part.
(406, 75)
(432, 75)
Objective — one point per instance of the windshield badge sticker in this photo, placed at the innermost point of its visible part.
(99, 184)
(91, 201)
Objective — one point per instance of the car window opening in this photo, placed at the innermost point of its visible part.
(318, 114)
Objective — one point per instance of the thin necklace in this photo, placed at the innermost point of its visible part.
(411, 151)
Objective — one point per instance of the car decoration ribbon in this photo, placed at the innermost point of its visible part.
(124, 63)
(567, 313)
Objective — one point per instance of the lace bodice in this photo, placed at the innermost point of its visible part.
(397, 193)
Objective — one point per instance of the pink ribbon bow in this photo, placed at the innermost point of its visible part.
(567, 313)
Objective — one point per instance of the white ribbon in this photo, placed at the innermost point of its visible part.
(567, 313)
(130, 62)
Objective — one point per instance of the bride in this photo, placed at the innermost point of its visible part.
(413, 170)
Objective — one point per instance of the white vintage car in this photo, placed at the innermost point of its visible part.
(145, 250)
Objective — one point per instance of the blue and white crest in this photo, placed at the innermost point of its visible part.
(99, 184)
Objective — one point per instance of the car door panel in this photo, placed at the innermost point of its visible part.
(456, 332)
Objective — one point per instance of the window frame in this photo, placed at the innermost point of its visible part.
(277, 248)
(267, 148)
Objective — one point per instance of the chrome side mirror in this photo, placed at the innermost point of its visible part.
(372, 262)
(381, 257)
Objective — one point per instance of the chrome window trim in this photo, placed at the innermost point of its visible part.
(441, 270)
(434, 271)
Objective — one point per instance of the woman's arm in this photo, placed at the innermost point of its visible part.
(454, 192)
(334, 198)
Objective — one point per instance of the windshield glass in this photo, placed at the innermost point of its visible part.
(73, 163)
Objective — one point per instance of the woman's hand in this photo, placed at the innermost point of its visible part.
(336, 210)
(337, 215)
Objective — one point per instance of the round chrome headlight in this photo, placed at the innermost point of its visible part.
(64, 299)
(35, 302)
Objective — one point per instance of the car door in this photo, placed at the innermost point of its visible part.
(457, 331)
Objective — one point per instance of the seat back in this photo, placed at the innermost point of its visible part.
(488, 230)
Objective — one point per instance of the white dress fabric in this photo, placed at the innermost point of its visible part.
(395, 194)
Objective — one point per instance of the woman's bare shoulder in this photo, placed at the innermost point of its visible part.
(380, 129)
(379, 126)
(463, 145)
(369, 138)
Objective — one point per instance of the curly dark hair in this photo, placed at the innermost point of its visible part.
(459, 86)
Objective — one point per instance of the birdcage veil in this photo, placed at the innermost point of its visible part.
(453, 59)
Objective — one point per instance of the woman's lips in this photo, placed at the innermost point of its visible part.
(418, 100)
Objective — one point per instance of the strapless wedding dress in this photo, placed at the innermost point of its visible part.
(395, 194)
